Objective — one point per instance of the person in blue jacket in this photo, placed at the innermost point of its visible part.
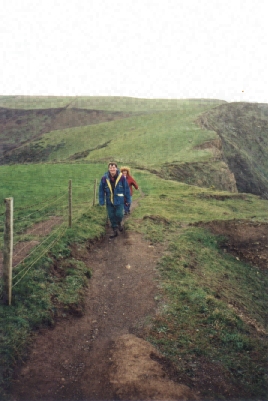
(114, 189)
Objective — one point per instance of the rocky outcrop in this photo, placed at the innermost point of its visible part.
(243, 131)
(212, 174)
(214, 146)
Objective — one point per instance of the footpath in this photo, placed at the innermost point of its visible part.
(100, 354)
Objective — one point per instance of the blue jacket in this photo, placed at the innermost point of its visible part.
(121, 190)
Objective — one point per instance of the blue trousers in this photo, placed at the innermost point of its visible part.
(115, 214)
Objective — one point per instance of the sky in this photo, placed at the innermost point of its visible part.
(138, 48)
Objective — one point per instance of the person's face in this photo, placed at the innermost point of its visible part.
(112, 169)
(124, 172)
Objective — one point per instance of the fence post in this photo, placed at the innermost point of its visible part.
(8, 252)
(95, 192)
(70, 203)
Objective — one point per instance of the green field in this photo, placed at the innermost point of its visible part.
(34, 183)
(42, 190)
(178, 202)
(163, 137)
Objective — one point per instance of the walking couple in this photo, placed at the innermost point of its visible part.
(116, 189)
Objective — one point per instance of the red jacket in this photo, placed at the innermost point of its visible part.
(131, 182)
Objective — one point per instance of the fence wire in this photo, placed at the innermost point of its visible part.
(37, 228)
(40, 203)
(50, 240)
(27, 268)
(42, 208)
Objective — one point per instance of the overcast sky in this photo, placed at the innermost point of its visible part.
(139, 48)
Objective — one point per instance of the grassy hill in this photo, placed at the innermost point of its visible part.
(209, 143)
(19, 127)
(102, 128)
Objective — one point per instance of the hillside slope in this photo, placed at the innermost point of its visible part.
(19, 127)
(243, 130)
(162, 129)
(209, 143)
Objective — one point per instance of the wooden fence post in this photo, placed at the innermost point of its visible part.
(8, 252)
(70, 203)
(95, 192)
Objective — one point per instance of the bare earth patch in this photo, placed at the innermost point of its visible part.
(245, 239)
(136, 374)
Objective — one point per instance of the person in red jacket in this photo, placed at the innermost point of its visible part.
(132, 183)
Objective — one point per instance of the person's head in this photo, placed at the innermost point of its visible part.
(125, 171)
(112, 167)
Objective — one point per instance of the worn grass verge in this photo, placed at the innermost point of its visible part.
(212, 317)
(46, 290)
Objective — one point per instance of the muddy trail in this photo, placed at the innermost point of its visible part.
(100, 354)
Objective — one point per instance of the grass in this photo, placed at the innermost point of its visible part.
(41, 190)
(34, 102)
(213, 307)
(196, 323)
(33, 183)
(164, 131)
(111, 103)
(46, 293)
(162, 136)
(198, 281)
(169, 136)
(119, 103)
(181, 203)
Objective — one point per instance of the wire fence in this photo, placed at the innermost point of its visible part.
(47, 204)
(35, 233)
(62, 229)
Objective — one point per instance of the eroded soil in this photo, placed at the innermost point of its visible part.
(245, 239)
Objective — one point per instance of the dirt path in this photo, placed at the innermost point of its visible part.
(101, 355)
(79, 359)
